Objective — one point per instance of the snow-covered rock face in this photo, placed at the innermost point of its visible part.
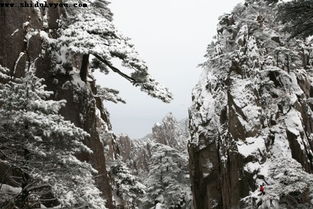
(251, 120)
(171, 132)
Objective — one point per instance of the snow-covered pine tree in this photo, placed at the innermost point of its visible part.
(160, 162)
(89, 34)
(109, 94)
(4, 74)
(167, 181)
(297, 16)
(128, 190)
(76, 42)
(66, 45)
(37, 139)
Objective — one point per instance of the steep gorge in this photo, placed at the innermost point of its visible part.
(251, 121)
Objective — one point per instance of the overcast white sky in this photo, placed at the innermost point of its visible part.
(171, 36)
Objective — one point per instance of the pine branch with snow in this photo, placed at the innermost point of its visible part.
(35, 137)
(91, 32)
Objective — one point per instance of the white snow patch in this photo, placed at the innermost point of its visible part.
(77, 81)
(294, 85)
(293, 122)
(251, 146)
(159, 206)
(17, 61)
(7, 189)
(25, 24)
(252, 167)
(14, 32)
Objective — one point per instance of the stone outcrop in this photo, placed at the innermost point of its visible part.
(171, 132)
(251, 115)
(136, 153)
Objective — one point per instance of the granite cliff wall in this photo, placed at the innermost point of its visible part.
(252, 114)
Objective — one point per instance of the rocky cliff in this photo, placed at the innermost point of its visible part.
(22, 44)
(251, 120)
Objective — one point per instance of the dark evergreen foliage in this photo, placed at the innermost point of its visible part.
(299, 16)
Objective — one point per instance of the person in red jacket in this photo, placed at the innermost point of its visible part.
(262, 189)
